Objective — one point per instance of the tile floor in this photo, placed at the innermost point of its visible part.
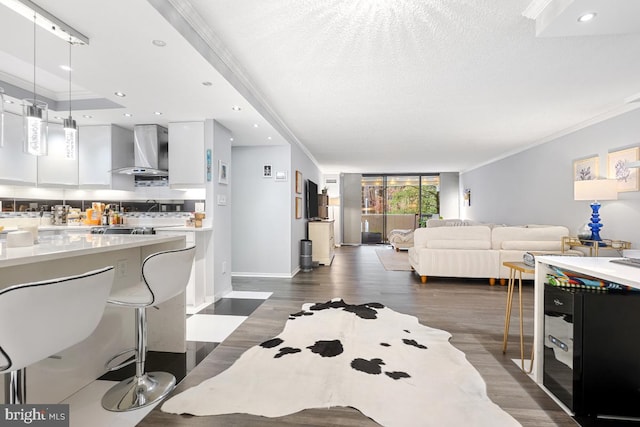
(206, 328)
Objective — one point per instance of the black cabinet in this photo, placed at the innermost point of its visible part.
(592, 350)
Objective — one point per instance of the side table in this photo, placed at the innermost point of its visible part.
(520, 268)
(594, 245)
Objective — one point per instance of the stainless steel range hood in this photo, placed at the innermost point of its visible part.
(151, 152)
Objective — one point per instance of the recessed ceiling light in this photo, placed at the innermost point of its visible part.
(230, 139)
(159, 43)
(255, 125)
(236, 108)
(157, 113)
(66, 68)
(127, 114)
(120, 94)
(59, 118)
(269, 138)
(587, 17)
(86, 116)
(207, 83)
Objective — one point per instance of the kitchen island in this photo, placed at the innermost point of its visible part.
(54, 379)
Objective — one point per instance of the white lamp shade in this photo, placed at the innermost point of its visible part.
(595, 189)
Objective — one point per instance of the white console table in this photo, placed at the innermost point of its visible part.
(323, 245)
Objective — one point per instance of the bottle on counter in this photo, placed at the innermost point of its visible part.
(105, 217)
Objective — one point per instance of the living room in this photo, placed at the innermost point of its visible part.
(510, 139)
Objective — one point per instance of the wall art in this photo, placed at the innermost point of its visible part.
(298, 182)
(617, 169)
(223, 172)
(298, 207)
(586, 169)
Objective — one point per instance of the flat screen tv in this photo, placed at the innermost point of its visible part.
(312, 199)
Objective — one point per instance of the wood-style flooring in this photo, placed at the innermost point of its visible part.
(471, 310)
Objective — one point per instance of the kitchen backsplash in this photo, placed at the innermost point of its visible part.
(151, 207)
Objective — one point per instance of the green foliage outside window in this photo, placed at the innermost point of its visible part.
(405, 199)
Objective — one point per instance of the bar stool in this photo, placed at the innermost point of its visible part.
(520, 268)
(40, 319)
(164, 275)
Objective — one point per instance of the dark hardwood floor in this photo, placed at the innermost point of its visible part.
(471, 310)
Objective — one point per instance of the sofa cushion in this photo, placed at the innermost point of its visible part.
(473, 232)
(502, 234)
(532, 245)
(458, 244)
(454, 222)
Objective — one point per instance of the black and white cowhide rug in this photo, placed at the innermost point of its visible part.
(383, 363)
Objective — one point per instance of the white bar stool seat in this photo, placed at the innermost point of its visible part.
(40, 319)
(164, 275)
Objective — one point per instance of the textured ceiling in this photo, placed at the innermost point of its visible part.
(435, 85)
(363, 85)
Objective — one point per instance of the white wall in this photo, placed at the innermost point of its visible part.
(219, 206)
(301, 162)
(262, 212)
(449, 195)
(332, 182)
(536, 185)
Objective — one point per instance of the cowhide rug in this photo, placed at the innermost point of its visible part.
(385, 364)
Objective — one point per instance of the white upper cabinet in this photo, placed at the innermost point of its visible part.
(16, 167)
(55, 169)
(102, 149)
(187, 155)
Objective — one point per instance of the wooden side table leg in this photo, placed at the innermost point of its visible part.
(521, 328)
(507, 314)
(531, 364)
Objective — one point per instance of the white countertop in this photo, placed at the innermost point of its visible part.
(598, 267)
(182, 228)
(87, 228)
(51, 228)
(71, 245)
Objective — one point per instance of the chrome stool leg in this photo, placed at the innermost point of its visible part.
(16, 387)
(144, 388)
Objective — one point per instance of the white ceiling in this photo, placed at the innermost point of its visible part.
(364, 85)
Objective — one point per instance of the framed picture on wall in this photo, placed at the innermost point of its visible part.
(627, 177)
(298, 207)
(298, 182)
(267, 171)
(281, 176)
(586, 169)
(223, 172)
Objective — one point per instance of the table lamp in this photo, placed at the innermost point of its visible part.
(595, 189)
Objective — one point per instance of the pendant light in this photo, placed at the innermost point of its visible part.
(35, 115)
(69, 125)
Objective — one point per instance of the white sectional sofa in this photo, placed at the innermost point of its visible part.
(403, 239)
(478, 251)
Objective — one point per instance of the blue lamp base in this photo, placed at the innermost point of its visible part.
(595, 224)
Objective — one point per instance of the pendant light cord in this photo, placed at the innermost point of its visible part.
(69, 78)
(34, 57)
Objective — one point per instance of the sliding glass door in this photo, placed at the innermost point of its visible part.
(429, 198)
(373, 208)
(391, 202)
(403, 203)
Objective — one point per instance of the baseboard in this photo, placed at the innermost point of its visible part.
(257, 274)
